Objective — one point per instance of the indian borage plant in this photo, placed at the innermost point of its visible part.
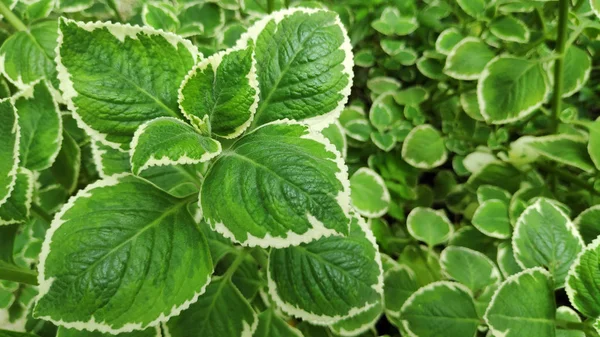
(475, 121)
(225, 154)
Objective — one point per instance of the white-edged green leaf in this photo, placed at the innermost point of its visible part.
(424, 147)
(524, 305)
(411, 96)
(67, 165)
(359, 323)
(440, 309)
(358, 129)
(475, 8)
(467, 59)
(506, 260)
(470, 105)
(491, 218)
(319, 45)
(116, 77)
(496, 173)
(147, 263)
(382, 84)
(16, 208)
(392, 22)
(41, 126)
(588, 223)
(337, 136)
(511, 88)
(370, 196)
(364, 58)
(564, 148)
(270, 324)
(330, 279)
(385, 112)
(222, 311)
(294, 188)
(109, 161)
(399, 283)
(469, 267)
(431, 67)
(384, 140)
(428, 225)
(169, 141)
(508, 28)
(577, 69)
(447, 40)
(10, 135)
(28, 56)
(150, 332)
(545, 236)
(566, 314)
(220, 94)
(583, 284)
(160, 15)
(490, 192)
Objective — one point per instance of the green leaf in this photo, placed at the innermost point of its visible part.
(508, 28)
(490, 192)
(169, 141)
(588, 223)
(474, 8)
(431, 67)
(220, 94)
(384, 140)
(399, 283)
(160, 15)
(28, 56)
(506, 260)
(222, 311)
(440, 309)
(496, 173)
(524, 305)
(6, 333)
(565, 149)
(116, 77)
(337, 136)
(272, 325)
(567, 314)
(109, 161)
(469, 267)
(595, 4)
(279, 185)
(392, 22)
(364, 58)
(16, 208)
(447, 40)
(491, 218)
(411, 96)
(423, 261)
(289, 45)
(428, 225)
(467, 59)
(424, 147)
(10, 135)
(583, 284)
(139, 245)
(370, 196)
(577, 69)
(470, 105)
(67, 164)
(543, 222)
(360, 323)
(382, 84)
(41, 126)
(511, 88)
(39, 10)
(70, 6)
(330, 279)
(150, 332)
(384, 112)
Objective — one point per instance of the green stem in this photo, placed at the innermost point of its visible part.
(113, 5)
(12, 18)
(14, 273)
(566, 176)
(235, 264)
(260, 255)
(564, 325)
(39, 211)
(561, 39)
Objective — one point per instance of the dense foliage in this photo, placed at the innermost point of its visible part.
(278, 168)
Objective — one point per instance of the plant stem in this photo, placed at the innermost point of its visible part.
(235, 264)
(575, 180)
(564, 325)
(260, 255)
(14, 273)
(561, 39)
(12, 18)
(39, 211)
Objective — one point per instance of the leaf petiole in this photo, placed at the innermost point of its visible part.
(12, 18)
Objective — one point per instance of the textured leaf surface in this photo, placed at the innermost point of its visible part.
(67, 164)
(169, 141)
(440, 309)
(588, 223)
(424, 147)
(370, 196)
(222, 311)
(428, 225)
(9, 148)
(121, 255)
(544, 236)
(360, 323)
(583, 283)
(16, 208)
(399, 284)
(469, 267)
(566, 149)
(491, 218)
(150, 332)
(511, 88)
(279, 185)
(330, 279)
(467, 59)
(523, 305)
(272, 325)
(290, 44)
(116, 77)
(41, 127)
(220, 94)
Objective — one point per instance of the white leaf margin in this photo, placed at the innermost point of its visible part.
(322, 121)
(12, 174)
(422, 164)
(46, 283)
(440, 213)
(450, 60)
(385, 195)
(119, 31)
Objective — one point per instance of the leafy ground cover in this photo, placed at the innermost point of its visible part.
(277, 168)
